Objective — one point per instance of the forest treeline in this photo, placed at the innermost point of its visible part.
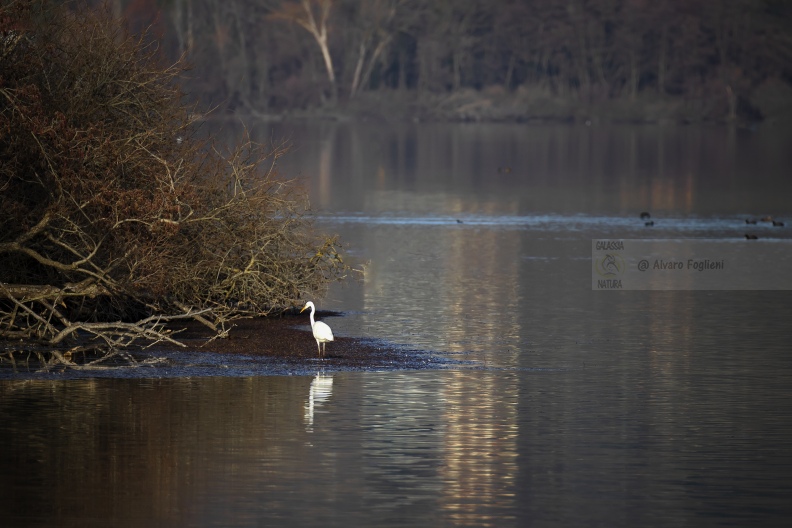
(470, 59)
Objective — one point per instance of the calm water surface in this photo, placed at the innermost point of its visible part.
(565, 407)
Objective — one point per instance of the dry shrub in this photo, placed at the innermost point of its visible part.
(115, 217)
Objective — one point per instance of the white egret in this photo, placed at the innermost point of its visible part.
(321, 331)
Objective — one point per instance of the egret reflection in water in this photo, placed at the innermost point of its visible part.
(320, 391)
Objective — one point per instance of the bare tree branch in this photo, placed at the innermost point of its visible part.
(116, 221)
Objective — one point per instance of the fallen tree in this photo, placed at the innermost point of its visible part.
(116, 216)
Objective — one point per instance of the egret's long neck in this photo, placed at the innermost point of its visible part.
(312, 318)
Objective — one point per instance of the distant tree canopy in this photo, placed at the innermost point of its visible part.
(115, 216)
(283, 54)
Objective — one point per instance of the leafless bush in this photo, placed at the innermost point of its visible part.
(115, 217)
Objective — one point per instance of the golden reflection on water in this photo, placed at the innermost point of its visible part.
(481, 276)
(479, 447)
(454, 288)
(450, 437)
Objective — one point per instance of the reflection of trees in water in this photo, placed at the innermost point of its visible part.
(140, 449)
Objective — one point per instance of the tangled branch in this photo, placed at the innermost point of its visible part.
(116, 218)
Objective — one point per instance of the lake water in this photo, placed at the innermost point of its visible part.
(559, 405)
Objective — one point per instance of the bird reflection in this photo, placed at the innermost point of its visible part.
(320, 391)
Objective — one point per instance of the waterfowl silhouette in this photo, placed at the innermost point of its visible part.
(751, 237)
(750, 221)
(778, 224)
(650, 223)
(645, 215)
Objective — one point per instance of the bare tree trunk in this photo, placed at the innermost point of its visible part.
(246, 88)
(221, 44)
(661, 61)
(381, 46)
(581, 61)
(376, 30)
(320, 34)
(182, 14)
(633, 75)
(303, 15)
(178, 23)
(358, 69)
(190, 27)
(402, 70)
(117, 9)
(457, 69)
(732, 100)
(509, 72)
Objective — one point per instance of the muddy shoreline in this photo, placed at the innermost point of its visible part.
(262, 346)
(284, 345)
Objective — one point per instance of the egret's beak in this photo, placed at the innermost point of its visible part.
(303, 308)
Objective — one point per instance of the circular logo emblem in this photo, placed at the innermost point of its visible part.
(610, 265)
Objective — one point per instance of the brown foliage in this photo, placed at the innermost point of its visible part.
(111, 206)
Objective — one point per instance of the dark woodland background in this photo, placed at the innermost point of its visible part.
(631, 60)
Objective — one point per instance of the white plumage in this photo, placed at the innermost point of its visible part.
(321, 331)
